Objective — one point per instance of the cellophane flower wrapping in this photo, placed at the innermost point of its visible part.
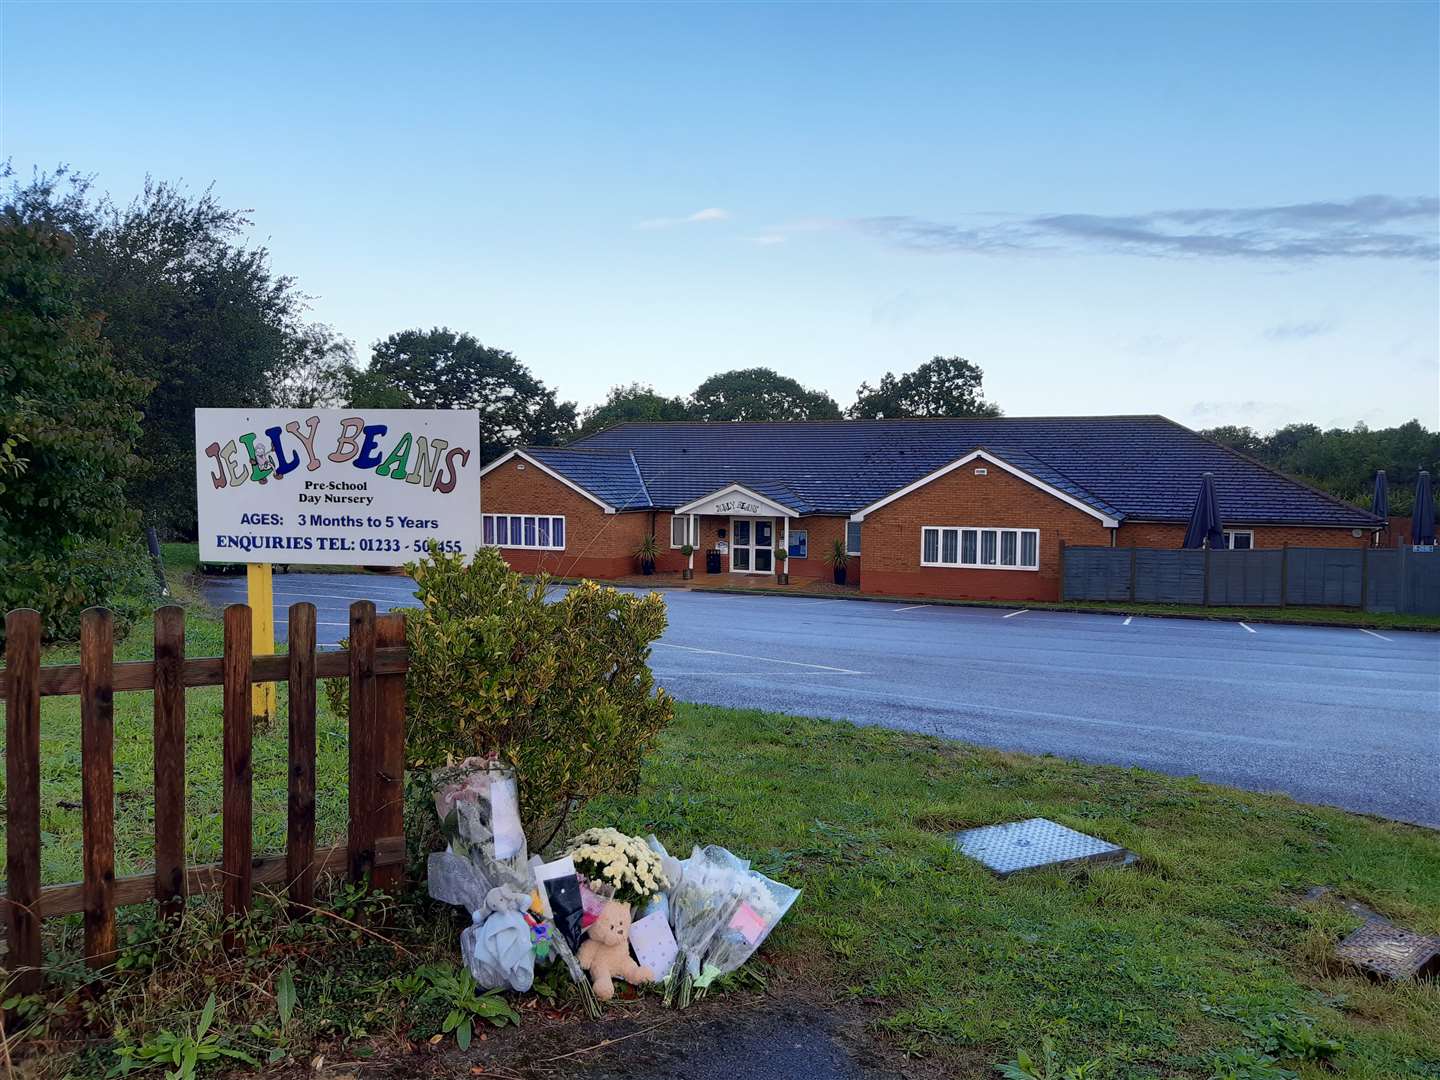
(712, 881)
(469, 867)
(477, 802)
(759, 905)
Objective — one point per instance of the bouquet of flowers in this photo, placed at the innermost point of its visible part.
(700, 904)
(760, 903)
(608, 859)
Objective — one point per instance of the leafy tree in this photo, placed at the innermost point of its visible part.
(442, 369)
(759, 394)
(187, 307)
(944, 386)
(632, 403)
(373, 390)
(68, 420)
(1238, 437)
(318, 372)
(1343, 461)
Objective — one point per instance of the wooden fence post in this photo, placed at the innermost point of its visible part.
(1205, 588)
(236, 838)
(300, 824)
(1132, 573)
(97, 769)
(389, 790)
(22, 797)
(360, 846)
(169, 711)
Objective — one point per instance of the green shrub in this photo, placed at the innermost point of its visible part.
(68, 420)
(561, 690)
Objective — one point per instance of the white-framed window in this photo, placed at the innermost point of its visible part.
(680, 530)
(799, 543)
(540, 532)
(1239, 539)
(852, 538)
(999, 549)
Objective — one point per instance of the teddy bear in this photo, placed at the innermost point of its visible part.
(605, 952)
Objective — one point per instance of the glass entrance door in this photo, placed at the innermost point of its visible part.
(753, 548)
(740, 550)
(764, 545)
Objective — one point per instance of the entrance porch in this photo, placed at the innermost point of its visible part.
(740, 527)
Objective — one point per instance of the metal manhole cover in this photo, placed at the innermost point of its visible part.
(1028, 845)
(1391, 951)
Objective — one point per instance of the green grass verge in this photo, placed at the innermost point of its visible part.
(1205, 947)
(1303, 616)
(60, 817)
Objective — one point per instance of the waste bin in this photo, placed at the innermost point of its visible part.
(712, 561)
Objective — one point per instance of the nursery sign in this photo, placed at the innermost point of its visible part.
(371, 486)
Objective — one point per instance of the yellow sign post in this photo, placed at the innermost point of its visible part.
(262, 635)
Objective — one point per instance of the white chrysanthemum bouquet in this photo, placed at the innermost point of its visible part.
(607, 857)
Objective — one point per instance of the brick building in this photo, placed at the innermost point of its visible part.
(967, 509)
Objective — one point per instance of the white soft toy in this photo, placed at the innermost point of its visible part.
(497, 950)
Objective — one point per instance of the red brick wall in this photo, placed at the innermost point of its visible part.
(890, 537)
(597, 544)
(822, 534)
(1163, 535)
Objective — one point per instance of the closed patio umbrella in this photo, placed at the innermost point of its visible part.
(1205, 528)
(1422, 520)
(1380, 501)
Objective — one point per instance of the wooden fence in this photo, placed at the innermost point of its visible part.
(375, 665)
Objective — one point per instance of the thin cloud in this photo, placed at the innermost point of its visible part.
(1368, 227)
(1298, 331)
(710, 213)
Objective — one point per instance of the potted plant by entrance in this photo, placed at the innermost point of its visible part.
(839, 559)
(647, 551)
(687, 550)
(782, 576)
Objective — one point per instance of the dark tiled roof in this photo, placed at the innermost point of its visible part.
(610, 475)
(1142, 467)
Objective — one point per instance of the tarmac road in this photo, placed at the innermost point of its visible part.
(1339, 716)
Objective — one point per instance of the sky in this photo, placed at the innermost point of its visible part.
(1224, 213)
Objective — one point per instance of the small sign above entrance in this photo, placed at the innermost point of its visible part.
(736, 500)
(737, 506)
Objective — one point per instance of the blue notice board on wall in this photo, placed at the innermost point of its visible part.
(799, 544)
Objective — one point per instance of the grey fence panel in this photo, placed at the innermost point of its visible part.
(1395, 579)
(1247, 578)
(1324, 577)
(1174, 576)
(1420, 582)
(1097, 573)
(1382, 579)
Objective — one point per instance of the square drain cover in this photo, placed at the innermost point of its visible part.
(1036, 842)
(1391, 951)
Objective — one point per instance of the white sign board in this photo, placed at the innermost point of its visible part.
(343, 486)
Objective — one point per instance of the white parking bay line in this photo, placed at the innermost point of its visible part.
(1012, 614)
(912, 607)
(762, 659)
(1127, 620)
(1249, 628)
(1372, 633)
